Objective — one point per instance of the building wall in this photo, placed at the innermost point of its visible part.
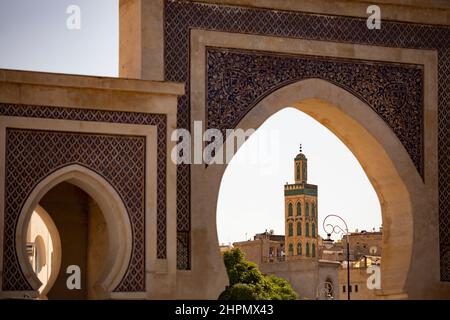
(358, 282)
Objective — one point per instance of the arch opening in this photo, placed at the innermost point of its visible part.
(379, 152)
(88, 235)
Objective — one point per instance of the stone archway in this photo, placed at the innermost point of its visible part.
(115, 215)
(381, 154)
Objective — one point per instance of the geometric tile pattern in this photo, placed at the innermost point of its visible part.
(238, 79)
(182, 16)
(32, 155)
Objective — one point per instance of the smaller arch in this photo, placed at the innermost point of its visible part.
(111, 206)
(313, 250)
(307, 209)
(307, 229)
(299, 228)
(313, 230)
(307, 249)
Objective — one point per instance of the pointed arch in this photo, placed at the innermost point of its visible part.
(379, 151)
(115, 214)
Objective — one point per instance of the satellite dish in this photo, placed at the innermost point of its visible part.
(373, 250)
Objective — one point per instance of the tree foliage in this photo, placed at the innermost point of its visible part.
(248, 283)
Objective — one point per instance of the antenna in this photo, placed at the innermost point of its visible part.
(300, 147)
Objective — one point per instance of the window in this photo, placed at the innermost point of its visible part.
(298, 171)
(291, 249)
(299, 248)
(299, 209)
(307, 249)
(313, 249)
(290, 229)
(356, 288)
(299, 229)
(343, 288)
(313, 210)
(304, 171)
(307, 229)
(307, 210)
(313, 230)
(290, 209)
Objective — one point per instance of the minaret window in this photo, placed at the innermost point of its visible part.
(299, 209)
(290, 209)
(299, 249)
(304, 171)
(313, 230)
(307, 249)
(299, 229)
(313, 249)
(290, 229)
(298, 171)
(291, 249)
(313, 210)
(307, 229)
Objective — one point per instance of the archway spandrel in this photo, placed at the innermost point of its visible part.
(238, 79)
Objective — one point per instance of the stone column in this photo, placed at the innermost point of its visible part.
(141, 39)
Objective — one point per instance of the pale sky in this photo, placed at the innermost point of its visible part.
(34, 36)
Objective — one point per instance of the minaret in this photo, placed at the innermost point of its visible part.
(300, 198)
(301, 167)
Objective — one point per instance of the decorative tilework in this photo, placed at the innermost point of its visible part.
(238, 79)
(91, 151)
(181, 16)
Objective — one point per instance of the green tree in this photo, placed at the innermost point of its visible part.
(248, 283)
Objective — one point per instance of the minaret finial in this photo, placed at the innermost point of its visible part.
(300, 148)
